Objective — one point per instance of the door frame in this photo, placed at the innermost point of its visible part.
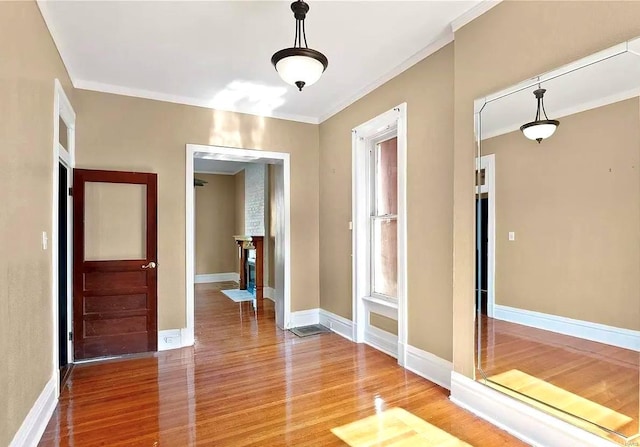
(62, 109)
(361, 136)
(242, 155)
(488, 163)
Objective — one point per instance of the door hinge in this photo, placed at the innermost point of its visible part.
(71, 191)
(70, 336)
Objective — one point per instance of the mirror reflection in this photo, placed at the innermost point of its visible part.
(558, 242)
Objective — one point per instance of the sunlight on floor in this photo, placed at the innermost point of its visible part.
(395, 428)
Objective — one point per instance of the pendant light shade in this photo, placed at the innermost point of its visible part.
(539, 129)
(298, 65)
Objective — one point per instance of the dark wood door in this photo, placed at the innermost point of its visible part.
(114, 263)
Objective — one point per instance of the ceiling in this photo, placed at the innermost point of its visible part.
(217, 53)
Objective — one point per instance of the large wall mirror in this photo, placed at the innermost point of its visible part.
(558, 242)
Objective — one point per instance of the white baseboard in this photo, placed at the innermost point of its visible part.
(532, 426)
(429, 366)
(33, 426)
(304, 318)
(270, 293)
(623, 338)
(169, 339)
(337, 324)
(187, 337)
(217, 277)
(381, 340)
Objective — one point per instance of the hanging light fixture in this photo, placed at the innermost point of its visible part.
(539, 129)
(299, 65)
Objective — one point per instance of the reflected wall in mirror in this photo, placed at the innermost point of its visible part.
(558, 244)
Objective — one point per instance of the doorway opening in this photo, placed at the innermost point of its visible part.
(379, 162)
(485, 236)
(63, 160)
(257, 254)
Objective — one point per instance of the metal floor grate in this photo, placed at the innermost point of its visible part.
(314, 329)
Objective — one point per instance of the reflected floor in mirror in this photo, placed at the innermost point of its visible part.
(592, 381)
(248, 383)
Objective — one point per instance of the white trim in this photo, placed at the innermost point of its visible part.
(34, 424)
(304, 318)
(488, 163)
(610, 335)
(361, 136)
(445, 38)
(527, 423)
(169, 339)
(430, 366)
(269, 293)
(62, 109)
(382, 307)
(381, 340)
(217, 277)
(340, 325)
(188, 337)
(178, 99)
(473, 13)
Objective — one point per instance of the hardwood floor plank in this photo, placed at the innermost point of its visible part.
(247, 383)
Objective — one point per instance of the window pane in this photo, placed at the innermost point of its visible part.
(387, 177)
(63, 134)
(385, 257)
(115, 220)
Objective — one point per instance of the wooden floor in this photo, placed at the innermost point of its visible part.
(247, 383)
(604, 374)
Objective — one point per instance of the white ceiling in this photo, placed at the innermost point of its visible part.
(217, 53)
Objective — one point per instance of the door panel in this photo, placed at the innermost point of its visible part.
(115, 275)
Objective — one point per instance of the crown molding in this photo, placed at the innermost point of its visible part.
(473, 13)
(184, 100)
(445, 38)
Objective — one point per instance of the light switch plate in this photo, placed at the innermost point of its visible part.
(512, 235)
(45, 240)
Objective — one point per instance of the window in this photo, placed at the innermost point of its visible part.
(384, 218)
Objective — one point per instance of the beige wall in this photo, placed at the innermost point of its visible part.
(215, 220)
(385, 323)
(123, 133)
(574, 205)
(512, 42)
(427, 88)
(28, 66)
(239, 206)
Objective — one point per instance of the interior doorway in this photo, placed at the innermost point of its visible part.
(279, 180)
(64, 272)
(485, 235)
(63, 162)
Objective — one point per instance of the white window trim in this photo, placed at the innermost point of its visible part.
(361, 138)
(62, 109)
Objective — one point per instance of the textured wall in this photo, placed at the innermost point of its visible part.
(255, 181)
(29, 63)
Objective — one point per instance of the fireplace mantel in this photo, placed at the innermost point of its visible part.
(246, 243)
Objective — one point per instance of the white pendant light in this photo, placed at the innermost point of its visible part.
(298, 65)
(539, 129)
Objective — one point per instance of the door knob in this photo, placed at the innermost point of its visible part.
(150, 265)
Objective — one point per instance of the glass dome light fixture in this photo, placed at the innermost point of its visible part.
(299, 65)
(539, 129)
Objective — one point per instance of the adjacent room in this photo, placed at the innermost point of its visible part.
(320, 223)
